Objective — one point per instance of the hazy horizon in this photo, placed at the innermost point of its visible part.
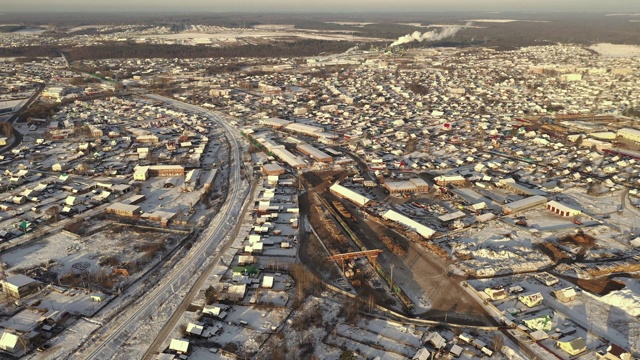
(252, 6)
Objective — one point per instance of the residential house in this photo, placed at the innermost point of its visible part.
(614, 352)
(435, 339)
(572, 347)
(179, 346)
(539, 323)
(195, 329)
(496, 293)
(19, 286)
(531, 300)
(565, 295)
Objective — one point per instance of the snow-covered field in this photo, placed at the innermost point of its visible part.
(350, 23)
(502, 21)
(80, 253)
(616, 50)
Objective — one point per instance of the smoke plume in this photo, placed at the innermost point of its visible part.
(432, 35)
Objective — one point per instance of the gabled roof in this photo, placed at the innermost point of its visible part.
(577, 343)
(436, 340)
(179, 345)
(616, 350)
(195, 329)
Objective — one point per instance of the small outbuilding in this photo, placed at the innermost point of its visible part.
(421, 354)
(267, 282)
(11, 343)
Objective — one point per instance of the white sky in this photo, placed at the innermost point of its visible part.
(324, 5)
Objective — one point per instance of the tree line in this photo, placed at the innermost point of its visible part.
(147, 51)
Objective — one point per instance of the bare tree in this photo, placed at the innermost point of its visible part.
(54, 214)
(497, 342)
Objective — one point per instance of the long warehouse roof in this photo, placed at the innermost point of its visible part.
(423, 230)
(349, 194)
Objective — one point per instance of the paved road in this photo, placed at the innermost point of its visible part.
(168, 327)
(17, 136)
(120, 329)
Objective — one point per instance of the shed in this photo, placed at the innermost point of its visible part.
(98, 297)
(267, 282)
(539, 335)
(10, 343)
(423, 230)
(456, 350)
(465, 337)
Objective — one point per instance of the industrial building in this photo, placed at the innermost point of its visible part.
(406, 186)
(192, 179)
(275, 122)
(629, 134)
(349, 194)
(513, 186)
(166, 170)
(272, 169)
(314, 153)
(289, 158)
(423, 230)
(443, 180)
(211, 177)
(524, 204)
(562, 209)
(124, 209)
(150, 139)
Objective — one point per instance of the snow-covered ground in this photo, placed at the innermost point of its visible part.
(612, 317)
(497, 248)
(75, 334)
(71, 252)
(616, 50)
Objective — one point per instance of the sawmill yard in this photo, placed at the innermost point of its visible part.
(427, 272)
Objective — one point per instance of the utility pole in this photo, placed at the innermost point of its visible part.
(391, 279)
